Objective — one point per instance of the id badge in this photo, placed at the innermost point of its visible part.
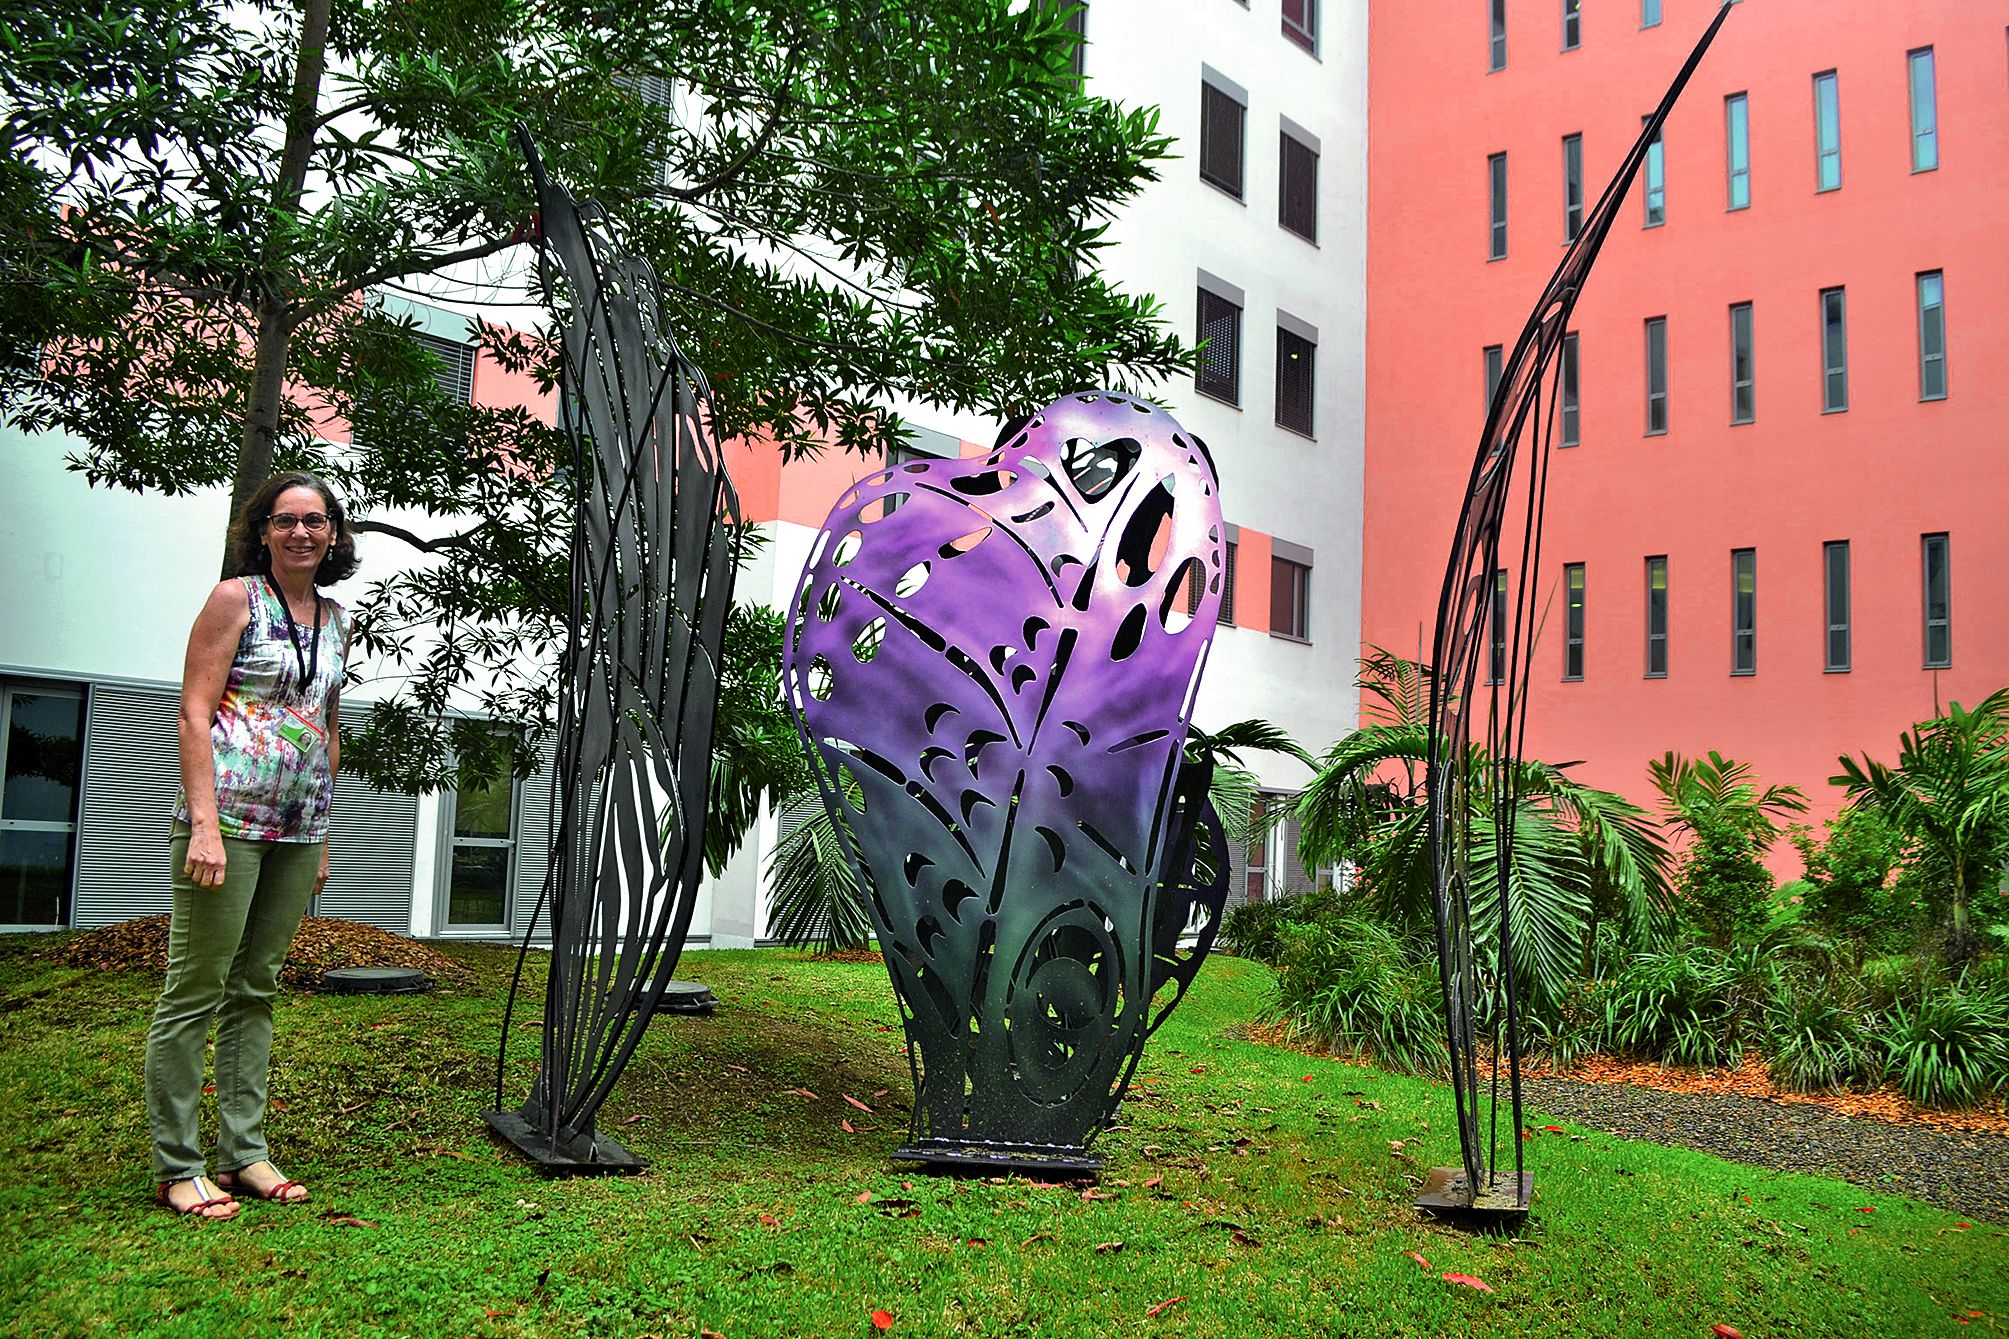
(300, 732)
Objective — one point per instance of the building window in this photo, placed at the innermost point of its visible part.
(1827, 132)
(1737, 138)
(1938, 604)
(1572, 186)
(41, 764)
(1496, 200)
(1223, 114)
(1571, 413)
(1572, 24)
(1290, 599)
(1834, 351)
(1744, 611)
(1743, 384)
(1297, 360)
(1573, 621)
(1656, 375)
(1496, 629)
(455, 374)
(1649, 13)
(1924, 112)
(1228, 582)
(482, 821)
(1656, 618)
(1301, 23)
(1498, 57)
(1297, 184)
(1495, 362)
(1835, 564)
(1220, 340)
(1654, 178)
(1931, 336)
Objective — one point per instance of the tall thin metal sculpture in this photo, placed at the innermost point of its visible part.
(1477, 609)
(994, 660)
(653, 557)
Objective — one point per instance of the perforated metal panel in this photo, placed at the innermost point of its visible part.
(533, 849)
(132, 775)
(372, 845)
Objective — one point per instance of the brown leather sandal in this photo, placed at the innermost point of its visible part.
(212, 1198)
(276, 1192)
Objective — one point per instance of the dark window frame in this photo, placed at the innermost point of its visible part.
(1737, 151)
(1572, 187)
(1228, 551)
(1743, 611)
(1290, 587)
(1304, 31)
(1657, 617)
(1569, 399)
(1494, 357)
(1224, 135)
(1827, 132)
(1224, 362)
(1572, 24)
(1834, 350)
(1940, 622)
(1574, 596)
(1297, 198)
(1496, 628)
(1496, 51)
(1496, 205)
(1838, 646)
(1931, 323)
(1657, 415)
(1649, 14)
(1297, 368)
(1924, 130)
(455, 377)
(1743, 364)
(1653, 178)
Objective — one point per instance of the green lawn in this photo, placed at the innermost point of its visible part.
(1261, 1187)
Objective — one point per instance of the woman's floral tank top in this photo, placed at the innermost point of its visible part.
(270, 733)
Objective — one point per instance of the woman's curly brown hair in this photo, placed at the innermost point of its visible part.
(247, 535)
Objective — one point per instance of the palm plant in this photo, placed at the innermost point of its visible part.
(1720, 789)
(1570, 842)
(1949, 793)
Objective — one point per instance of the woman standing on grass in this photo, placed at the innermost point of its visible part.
(249, 846)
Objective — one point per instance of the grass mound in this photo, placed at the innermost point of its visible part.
(323, 944)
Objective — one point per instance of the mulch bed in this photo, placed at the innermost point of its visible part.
(323, 944)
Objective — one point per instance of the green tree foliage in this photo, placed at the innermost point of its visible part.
(1856, 885)
(1724, 824)
(846, 201)
(1949, 795)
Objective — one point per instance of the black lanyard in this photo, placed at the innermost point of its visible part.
(310, 664)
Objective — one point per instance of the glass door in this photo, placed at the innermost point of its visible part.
(482, 857)
(41, 759)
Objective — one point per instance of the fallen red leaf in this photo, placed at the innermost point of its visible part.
(1159, 1181)
(1724, 1332)
(630, 1120)
(848, 1129)
(856, 1103)
(1867, 1208)
(800, 1092)
(864, 1197)
(1468, 1281)
(1093, 1194)
(492, 1313)
(1417, 1258)
(883, 1319)
(1165, 1305)
(1307, 1078)
(1107, 1247)
(769, 1220)
(1555, 1129)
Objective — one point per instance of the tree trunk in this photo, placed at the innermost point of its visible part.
(274, 335)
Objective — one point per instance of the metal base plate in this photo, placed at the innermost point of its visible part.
(1506, 1198)
(1044, 1159)
(606, 1158)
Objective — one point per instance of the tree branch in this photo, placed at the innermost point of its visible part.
(753, 146)
(401, 269)
(464, 540)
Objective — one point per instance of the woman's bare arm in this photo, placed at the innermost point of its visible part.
(212, 645)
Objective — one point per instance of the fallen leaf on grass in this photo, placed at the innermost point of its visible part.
(493, 1312)
(769, 1220)
(1468, 1281)
(848, 1127)
(1867, 1208)
(1165, 1305)
(882, 1320)
(864, 1197)
(800, 1092)
(345, 1220)
(1418, 1259)
(630, 1120)
(710, 1334)
(856, 1103)
(1159, 1181)
(1724, 1332)
(1093, 1194)
(1108, 1247)
(1555, 1129)
(1307, 1078)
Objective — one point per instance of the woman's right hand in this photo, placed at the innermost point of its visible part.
(205, 859)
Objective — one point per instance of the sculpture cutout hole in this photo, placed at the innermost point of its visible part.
(955, 548)
(847, 548)
(1129, 636)
(821, 681)
(826, 608)
(954, 894)
(1063, 781)
(866, 644)
(1055, 848)
(1175, 611)
(982, 485)
(1097, 467)
(1146, 536)
(912, 867)
(879, 508)
(911, 580)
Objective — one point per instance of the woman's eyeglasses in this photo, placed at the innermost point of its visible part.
(315, 522)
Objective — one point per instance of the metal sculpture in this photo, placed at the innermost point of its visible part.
(993, 660)
(653, 557)
(1477, 609)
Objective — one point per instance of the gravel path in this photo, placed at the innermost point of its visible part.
(1967, 1173)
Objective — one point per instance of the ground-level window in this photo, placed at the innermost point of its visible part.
(41, 761)
(476, 874)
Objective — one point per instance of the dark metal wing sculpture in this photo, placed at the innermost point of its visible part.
(994, 661)
(1475, 610)
(653, 557)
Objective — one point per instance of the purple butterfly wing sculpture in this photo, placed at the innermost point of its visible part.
(993, 660)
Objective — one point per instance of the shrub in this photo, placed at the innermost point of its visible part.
(1724, 887)
(1255, 929)
(1567, 1032)
(1899, 979)
(1819, 1042)
(1351, 986)
(1951, 1048)
(1694, 1007)
(1849, 880)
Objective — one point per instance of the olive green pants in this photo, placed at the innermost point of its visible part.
(224, 949)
